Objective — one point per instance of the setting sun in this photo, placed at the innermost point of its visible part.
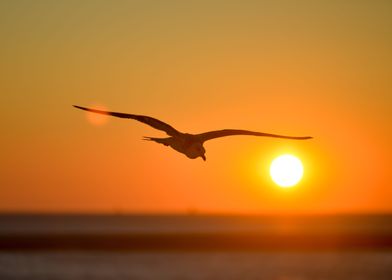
(286, 170)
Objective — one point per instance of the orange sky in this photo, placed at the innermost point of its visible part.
(320, 68)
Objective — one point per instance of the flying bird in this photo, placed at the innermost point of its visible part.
(188, 144)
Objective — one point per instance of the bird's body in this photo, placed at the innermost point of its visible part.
(190, 145)
(185, 143)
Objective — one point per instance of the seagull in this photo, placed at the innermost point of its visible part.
(188, 144)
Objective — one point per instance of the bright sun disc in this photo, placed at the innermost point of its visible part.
(286, 170)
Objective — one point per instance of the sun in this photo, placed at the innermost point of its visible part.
(286, 170)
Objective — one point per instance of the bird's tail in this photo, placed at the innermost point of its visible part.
(158, 140)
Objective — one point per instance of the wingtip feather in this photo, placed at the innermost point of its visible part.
(80, 107)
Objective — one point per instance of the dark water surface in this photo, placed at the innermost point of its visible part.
(59, 262)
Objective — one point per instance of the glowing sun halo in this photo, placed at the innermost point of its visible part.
(286, 170)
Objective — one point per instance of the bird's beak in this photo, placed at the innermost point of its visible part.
(204, 157)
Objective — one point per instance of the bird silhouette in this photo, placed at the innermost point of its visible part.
(188, 144)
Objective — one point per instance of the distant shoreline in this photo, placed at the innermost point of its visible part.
(194, 232)
(195, 242)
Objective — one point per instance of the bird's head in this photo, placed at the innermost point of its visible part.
(196, 150)
(202, 152)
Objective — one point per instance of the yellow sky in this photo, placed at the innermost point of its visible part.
(320, 68)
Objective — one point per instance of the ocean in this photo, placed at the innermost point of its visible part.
(247, 252)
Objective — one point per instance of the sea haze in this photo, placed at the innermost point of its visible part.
(148, 224)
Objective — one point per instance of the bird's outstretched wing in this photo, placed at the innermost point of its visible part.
(144, 119)
(229, 132)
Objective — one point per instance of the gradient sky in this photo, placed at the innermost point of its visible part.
(320, 68)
